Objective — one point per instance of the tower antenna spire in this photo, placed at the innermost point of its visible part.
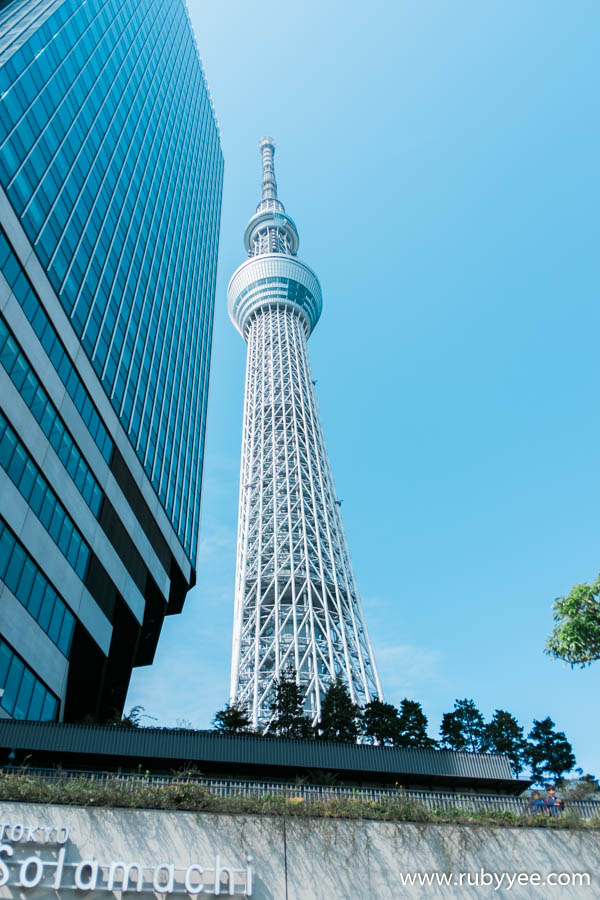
(269, 199)
(266, 146)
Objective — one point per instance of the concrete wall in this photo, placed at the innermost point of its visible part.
(296, 859)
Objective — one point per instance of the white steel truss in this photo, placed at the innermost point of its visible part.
(296, 601)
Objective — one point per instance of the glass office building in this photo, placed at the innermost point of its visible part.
(110, 192)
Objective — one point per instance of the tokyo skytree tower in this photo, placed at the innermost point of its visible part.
(296, 600)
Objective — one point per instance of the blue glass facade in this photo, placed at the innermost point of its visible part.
(106, 158)
(111, 166)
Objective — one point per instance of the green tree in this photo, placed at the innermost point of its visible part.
(381, 722)
(232, 720)
(289, 719)
(504, 735)
(339, 715)
(132, 719)
(576, 636)
(548, 752)
(462, 729)
(413, 726)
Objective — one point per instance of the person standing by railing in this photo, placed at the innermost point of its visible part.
(554, 804)
(536, 803)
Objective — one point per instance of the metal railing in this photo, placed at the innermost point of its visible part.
(309, 793)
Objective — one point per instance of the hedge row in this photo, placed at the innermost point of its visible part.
(192, 796)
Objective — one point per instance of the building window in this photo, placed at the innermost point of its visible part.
(24, 695)
(31, 587)
(26, 476)
(33, 309)
(27, 383)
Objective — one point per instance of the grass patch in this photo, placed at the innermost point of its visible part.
(191, 796)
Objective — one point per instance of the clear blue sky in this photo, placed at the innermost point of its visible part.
(441, 163)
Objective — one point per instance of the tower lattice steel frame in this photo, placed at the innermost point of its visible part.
(296, 599)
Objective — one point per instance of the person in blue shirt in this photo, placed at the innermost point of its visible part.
(554, 804)
(536, 803)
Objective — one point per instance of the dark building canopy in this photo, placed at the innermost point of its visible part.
(112, 748)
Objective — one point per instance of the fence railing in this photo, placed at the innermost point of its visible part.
(225, 787)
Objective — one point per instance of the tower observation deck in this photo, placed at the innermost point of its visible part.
(296, 600)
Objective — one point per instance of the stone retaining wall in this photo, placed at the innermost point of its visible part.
(295, 858)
